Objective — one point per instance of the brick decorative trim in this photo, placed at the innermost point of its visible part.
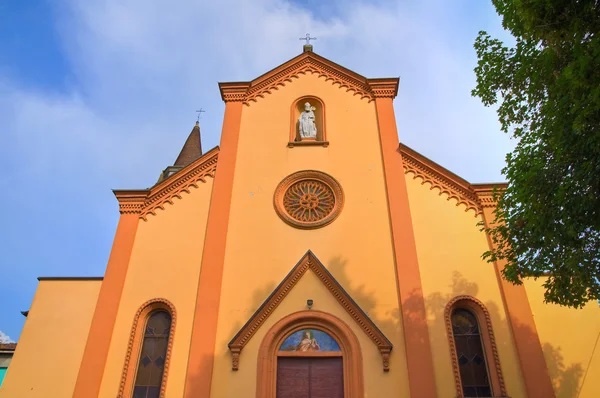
(487, 339)
(384, 88)
(327, 182)
(486, 194)
(145, 202)
(474, 196)
(308, 62)
(447, 182)
(309, 261)
(135, 344)
(266, 383)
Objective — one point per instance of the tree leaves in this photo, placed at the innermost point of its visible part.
(547, 88)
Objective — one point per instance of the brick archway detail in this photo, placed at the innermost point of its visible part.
(487, 339)
(136, 338)
(266, 382)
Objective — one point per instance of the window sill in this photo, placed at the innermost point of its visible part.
(292, 144)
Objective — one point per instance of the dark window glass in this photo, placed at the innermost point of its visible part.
(471, 358)
(153, 356)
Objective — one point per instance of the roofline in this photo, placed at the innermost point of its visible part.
(120, 192)
(490, 185)
(439, 168)
(245, 91)
(70, 278)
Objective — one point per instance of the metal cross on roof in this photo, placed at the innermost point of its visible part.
(308, 38)
(199, 111)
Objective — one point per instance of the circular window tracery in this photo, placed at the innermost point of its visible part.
(308, 199)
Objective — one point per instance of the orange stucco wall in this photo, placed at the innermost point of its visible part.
(165, 263)
(569, 339)
(262, 249)
(449, 248)
(49, 352)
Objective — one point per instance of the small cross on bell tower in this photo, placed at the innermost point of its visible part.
(308, 46)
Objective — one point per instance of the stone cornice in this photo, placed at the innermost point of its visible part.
(234, 92)
(486, 193)
(473, 196)
(131, 201)
(384, 88)
(145, 202)
(309, 261)
(308, 62)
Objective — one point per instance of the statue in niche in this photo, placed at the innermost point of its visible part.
(306, 126)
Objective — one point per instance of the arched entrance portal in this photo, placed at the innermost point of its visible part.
(311, 353)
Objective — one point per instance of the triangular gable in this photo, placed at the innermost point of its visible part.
(309, 62)
(147, 201)
(474, 196)
(309, 262)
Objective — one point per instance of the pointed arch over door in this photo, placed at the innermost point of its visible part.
(349, 351)
(309, 262)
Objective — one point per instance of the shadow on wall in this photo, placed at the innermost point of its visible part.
(565, 379)
(366, 300)
(197, 376)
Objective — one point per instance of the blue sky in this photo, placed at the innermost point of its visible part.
(101, 94)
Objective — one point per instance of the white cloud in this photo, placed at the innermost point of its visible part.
(142, 68)
(4, 339)
(139, 70)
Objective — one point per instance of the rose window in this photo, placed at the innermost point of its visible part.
(308, 199)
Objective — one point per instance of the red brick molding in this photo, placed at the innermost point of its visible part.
(147, 201)
(487, 339)
(308, 199)
(266, 384)
(308, 62)
(474, 197)
(309, 261)
(135, 345)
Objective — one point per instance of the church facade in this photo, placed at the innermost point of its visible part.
(309, 255)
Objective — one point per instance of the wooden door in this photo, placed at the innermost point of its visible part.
(310, 377)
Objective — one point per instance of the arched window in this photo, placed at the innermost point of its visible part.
(153, 355)
(149, 350)
(471, 358)
(477, 371)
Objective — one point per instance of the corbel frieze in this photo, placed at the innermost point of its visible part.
(440, 178)
(145, 202)
(310, 262)
(308, 62)
(384, 88)
(487, 194)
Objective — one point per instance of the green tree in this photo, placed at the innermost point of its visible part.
(546, 86)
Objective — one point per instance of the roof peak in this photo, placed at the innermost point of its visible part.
(192, 149)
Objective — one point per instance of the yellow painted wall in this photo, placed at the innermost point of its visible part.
(568, 338)
(449, 249)
(165, 263)
(47, 358)
(243, 382)
(356, 247)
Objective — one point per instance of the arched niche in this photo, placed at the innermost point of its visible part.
(272, 348)
(296, 110)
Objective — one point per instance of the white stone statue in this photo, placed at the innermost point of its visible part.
(307, 127)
